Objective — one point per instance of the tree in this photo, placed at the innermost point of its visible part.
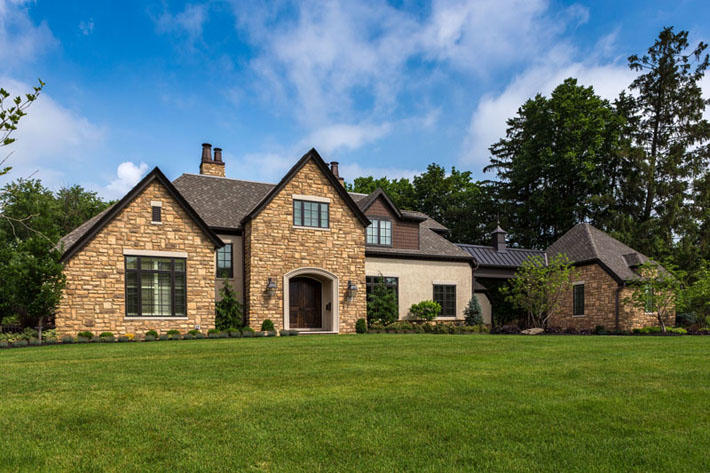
(11, 111)
(228, 310)
(556, 164)
(671, 135)
(656, 291)
(694, 297)
(538, 288)
(473, 313)
(400, 190)
(425, 310)
(32, 281)
(77, 205)
(382, 304)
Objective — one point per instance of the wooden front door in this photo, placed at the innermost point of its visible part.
(304, 296)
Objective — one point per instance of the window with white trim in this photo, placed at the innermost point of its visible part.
(379, 232)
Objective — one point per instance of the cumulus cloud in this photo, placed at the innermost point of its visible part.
(188, 23)
(127, 175)
(346, 137)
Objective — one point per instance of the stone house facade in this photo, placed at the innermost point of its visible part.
(302, 253)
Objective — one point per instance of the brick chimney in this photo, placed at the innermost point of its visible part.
(335, 171)
(211, 166)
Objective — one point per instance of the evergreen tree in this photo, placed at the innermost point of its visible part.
(670, 135)
(228, 310)
(382, 304)
(473, 313)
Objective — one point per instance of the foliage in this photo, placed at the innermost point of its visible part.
(267, 326)
(472, 312)
(10, 116)
(228, 310)
(537, 287)
(560, 150)
(85, 334)
(425, 310)
(246, 329)
(382, 303)
(657, 330)
(656, 291)
(151, 333)
(694, 298)
(361, 326)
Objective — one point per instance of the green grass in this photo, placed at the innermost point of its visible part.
(424, 403)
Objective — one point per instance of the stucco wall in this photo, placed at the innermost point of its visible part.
(486, 307)
(417, 279)
(94, 297)
(237, 282)
(275, 247)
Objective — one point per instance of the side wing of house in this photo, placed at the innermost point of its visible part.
(145, 263)
(408, 253)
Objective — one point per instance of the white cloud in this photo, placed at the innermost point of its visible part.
(20, 39)
(488, 121)
(51, 139)
(346, 137)
(187, 23)
(86, 27)
(127, 175)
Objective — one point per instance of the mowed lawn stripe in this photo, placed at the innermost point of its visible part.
(359, 403)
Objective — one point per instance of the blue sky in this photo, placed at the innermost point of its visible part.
(384, 88)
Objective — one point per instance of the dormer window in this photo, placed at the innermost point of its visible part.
(379, 232)
(156, 212)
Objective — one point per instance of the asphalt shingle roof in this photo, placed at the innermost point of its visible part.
(583, 242)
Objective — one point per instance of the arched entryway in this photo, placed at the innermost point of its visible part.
(311, 300)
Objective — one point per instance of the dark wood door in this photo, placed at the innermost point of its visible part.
(305, 303)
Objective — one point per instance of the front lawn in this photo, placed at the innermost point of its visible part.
(424, 403)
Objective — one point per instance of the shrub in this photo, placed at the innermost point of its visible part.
(4, 344)
(199, 335)
(600, 330)
(248, 333)
(228, 310)
(443, 328)
(173, 332)
(260, 334)
(509, 329)
(377, 326)
(473, 312)
(361, 326)
(67, 339)
(35, 342)
(271, 333)
(188, 336)
(267, 326)
(124, 338)
(86, 334)
(164, 336)
(382, 303)
(652, 330)
(425, 310)
(150, 337)
(106, 337)
(234, 332)
(247, 330)
(194, 332)
(20, 342)
(151, 333)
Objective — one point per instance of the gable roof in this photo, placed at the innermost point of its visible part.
(367, 201)
(75, 240)
(584, 243)
(311, 155)
(510, 258)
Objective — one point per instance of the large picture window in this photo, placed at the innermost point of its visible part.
(379, 232)
(224, 262)
(445, 295)
(311, 214)
(578, 299)
(155, 287)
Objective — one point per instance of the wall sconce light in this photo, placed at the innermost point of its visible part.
(271, 287)
(352, 290)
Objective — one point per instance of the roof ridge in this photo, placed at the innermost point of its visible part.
(592, 242)
(226, 178)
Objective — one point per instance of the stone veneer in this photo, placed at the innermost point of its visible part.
(600, 304)
(212, 168)
(274, 247)
(94, 297)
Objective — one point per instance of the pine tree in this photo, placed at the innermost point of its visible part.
(473, 313)
(382, 304)
(228, 310)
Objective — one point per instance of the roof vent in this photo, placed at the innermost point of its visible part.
(632, 260)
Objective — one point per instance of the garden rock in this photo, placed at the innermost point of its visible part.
(533, 331)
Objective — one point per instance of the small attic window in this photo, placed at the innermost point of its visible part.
(156, 212)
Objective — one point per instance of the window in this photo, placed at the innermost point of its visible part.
(155, 287)
(156, 214)
(578, 299)
(311, 214)
(224, 262)
(445, 295)
(392, 283)
(379, 232)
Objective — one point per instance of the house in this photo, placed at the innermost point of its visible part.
(599, 292)
(302, 252)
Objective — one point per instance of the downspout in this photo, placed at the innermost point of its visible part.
(618, 303)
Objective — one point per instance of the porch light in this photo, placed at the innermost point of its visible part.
(271, 287)
(352, 289)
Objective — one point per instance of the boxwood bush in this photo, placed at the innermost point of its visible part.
(86, 334)
(152, 333)
(361, 326)
(267, 326)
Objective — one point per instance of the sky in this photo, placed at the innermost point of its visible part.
(385, 88)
